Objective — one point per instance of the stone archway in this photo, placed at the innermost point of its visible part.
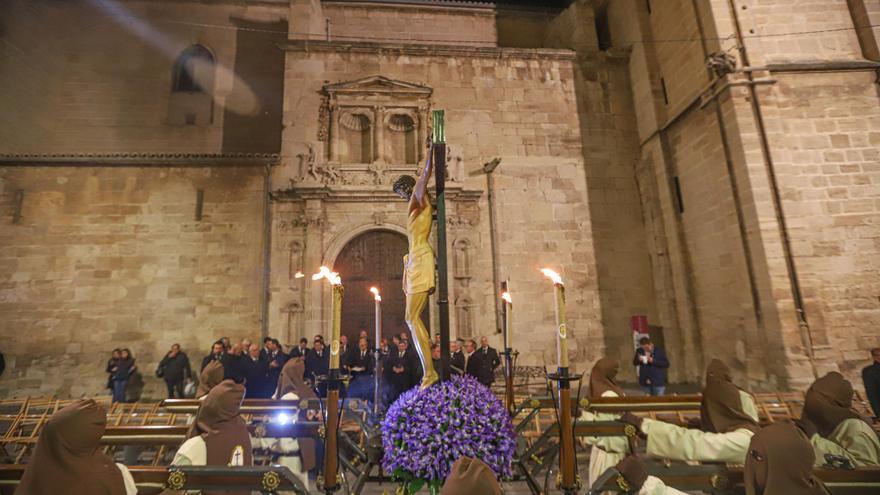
(372, 258)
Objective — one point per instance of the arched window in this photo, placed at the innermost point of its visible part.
(192, 87)
(194, 71)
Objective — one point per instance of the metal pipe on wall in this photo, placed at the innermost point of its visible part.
(267, 251)
(775, 195)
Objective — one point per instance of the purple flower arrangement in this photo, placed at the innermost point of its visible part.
(425, 432)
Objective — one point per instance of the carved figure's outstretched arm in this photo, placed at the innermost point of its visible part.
(420, 192)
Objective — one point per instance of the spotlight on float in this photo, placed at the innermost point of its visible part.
(282, 419)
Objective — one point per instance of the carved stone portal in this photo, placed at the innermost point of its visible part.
(374, 121)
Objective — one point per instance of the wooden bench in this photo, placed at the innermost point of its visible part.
(717, 479)
(153, 480)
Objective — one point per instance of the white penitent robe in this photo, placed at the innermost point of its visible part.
(748, 404)
(655, 486)
(606, 451)
(193, 452)
(287, 448)
(675, 442)
(852, 439)
(130, 487)
(669, 441)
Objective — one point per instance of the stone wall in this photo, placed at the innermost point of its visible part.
(734, 281)
(107, 256)
(824, 130)
(517, 105)
(80, 79)
(409, 24)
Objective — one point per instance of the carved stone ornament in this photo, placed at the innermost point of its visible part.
(465, 216)
(324, 119)
(371, 126)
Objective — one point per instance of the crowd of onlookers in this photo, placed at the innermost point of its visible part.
(259, 367)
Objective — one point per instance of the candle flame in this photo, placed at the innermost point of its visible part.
(552, 276)
(375, 292)
(299, 275)
(506, 296)
(332, 277)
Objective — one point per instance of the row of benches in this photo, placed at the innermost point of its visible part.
(139, 425)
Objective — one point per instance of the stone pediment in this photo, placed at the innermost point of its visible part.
(378, 85)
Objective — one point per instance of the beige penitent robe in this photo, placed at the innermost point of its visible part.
(655, 486)
(606, 452)
(729, 416)
(841, 430)
(853, 439)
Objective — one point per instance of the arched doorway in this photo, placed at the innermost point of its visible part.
(374, 258)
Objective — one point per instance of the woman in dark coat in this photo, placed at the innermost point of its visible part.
(121, 372)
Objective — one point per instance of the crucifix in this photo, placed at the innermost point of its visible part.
(439, 140)
(425, 270)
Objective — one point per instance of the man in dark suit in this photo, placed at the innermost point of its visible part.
(345, 352)
(217, 352)
(384, 349)
(360, 364)
(404, 336)
(364, 335)
(256, 375)
(456, 361)
(398, 373)
(871, 378)
(301, 350)
(476, 365)
(267, 347)
(652, 364)
(175, 370)
(276, 359)
(318, 363)
(490, 355)
(435, 355)
(233, 364)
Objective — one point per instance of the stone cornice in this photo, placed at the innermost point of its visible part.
(429, 50)
(140, 159)
(470, 4)
(358, 194)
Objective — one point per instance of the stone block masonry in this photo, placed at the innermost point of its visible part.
(107, 257)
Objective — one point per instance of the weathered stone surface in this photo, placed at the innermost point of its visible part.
(98, 270)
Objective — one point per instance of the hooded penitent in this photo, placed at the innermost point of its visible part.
(224, 431)
(829, 402)
(602, 377)
(291, 380)
(67, 460)
(470, 477)
(780, 461)
(209, 378)
(721, 409)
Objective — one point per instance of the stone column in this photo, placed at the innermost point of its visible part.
(422, 133)
(334, 132)
(312, 259)
(379, 134)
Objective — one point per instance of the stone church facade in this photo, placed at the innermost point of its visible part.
(174, 171)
